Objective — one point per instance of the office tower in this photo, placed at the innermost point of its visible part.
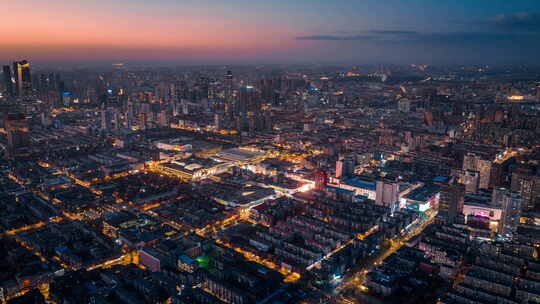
(23, 81)
(510, 203)
(451, 200)
(527, 184)
(475, 162)
(18, 138)
(8, 80)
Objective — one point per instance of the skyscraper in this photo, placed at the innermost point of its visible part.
(23, 81)
(228, 88)
(8, 80)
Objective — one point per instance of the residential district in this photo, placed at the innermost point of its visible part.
(269, 184)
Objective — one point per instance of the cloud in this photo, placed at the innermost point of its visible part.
(396, 32)
(357, 35)
(525, 21)
(337, 37)
(463, 39)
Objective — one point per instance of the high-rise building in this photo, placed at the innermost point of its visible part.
(130, 115)
(510, 203)
(321, 179)
(228, 84)
(345, 167)
(471, 179)
(475, 162)
(248, 100)
(23, 80)
(217, 121)
(387, 192)
(8, 80)
(106, 119)
(527, 184)
(451, 200)
(18, 139)
(498, 176)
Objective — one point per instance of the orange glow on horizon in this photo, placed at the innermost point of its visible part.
(55, 29)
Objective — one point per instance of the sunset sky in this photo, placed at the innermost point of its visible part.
(362, 31)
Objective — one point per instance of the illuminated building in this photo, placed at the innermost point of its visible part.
(193, 168)
(516, 97)
(321, 179)
(384, 192)
(239, 156)
(527, 185)
(360, 186)
(23, 82)
(421, 199)
(480, 212)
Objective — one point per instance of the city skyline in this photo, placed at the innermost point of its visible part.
(294, 152)
(491, 32)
